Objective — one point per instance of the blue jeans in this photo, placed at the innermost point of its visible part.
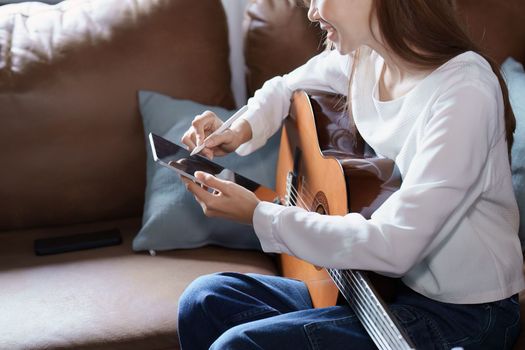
(231, 311)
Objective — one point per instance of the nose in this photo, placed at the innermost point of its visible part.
(313, 14)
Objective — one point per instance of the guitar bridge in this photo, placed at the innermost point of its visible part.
(288, 198)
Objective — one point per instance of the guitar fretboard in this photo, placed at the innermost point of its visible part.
(370, 309)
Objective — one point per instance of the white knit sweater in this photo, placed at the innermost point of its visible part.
(451, 229)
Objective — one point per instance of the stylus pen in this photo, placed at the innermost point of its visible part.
(221, 128)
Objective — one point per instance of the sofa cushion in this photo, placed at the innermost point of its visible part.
(71, 132)
(104, 298)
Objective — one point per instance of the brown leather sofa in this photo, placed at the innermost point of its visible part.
(72, 152)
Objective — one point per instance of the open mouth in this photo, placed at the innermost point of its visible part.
(331, 33)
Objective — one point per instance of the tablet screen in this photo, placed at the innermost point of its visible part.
(179, 158)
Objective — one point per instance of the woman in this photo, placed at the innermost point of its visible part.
(421, 94)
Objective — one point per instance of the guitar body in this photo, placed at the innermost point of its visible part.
(326, 181)
(316, 147)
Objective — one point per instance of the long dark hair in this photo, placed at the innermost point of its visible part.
(428, 33)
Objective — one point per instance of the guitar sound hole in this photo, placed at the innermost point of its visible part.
(320, 204)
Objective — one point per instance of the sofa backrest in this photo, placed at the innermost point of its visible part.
(71, 139)
(278, 38)
(281, 27)
(497, 26)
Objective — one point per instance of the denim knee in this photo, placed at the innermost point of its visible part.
(199, 323)
(210, 295)
(196, 296)
(232, 339)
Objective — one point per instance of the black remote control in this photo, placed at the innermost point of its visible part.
(62, 244)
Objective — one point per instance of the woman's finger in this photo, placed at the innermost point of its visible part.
(208, 153)
(213, 182)
(219, 145)
(202, 123)
(207, 200)
(189, 139)
(201, 193)
(198, 126)
(221, 139)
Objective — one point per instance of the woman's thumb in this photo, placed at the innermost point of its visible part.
(210, 180)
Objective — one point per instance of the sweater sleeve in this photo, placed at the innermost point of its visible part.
(327, 71)
(441, 183)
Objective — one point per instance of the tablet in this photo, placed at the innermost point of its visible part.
(178, 159)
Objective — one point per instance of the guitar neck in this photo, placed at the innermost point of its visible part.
(370, 309)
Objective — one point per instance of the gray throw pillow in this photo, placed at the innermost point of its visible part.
(515, 77)
(172, 219)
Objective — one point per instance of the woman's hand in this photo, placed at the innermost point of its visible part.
(229, 201)
(218, 145)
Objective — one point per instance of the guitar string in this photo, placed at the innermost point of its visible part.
(389, 318)
(357, 304)
(351, 278)
(386, 324)
(360, 310)
(360, 300)
(384, 318)
(298, 195)
(367, 300)
(361, 314)
(295, 193)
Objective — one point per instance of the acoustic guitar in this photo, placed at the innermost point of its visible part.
(324, 168)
